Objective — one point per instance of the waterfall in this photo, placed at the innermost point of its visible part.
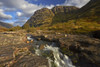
(60, 59)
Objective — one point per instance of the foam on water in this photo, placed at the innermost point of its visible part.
(60, 60)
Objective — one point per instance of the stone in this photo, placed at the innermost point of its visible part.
(27, 42)
(43, 66)
(96, 34)
(42, 47)
(45, 36)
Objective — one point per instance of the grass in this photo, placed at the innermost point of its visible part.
(72, 27)
(15, 28)
(2, 65)
(2, 29)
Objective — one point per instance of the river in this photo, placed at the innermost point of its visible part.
(50, 51)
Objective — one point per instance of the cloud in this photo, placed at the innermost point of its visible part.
(1, 4)
(78, 3)
(19, 14)
(19, 22)
(50, 6)
(9, 9)
(4, 16)
(27, 8)
(24, 9)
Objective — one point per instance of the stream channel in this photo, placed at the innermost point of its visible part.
(51, 51)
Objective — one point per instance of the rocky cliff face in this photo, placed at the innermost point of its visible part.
(40, 17)
(63, 9)
(89, 12)
(45, 15)
(63, 13)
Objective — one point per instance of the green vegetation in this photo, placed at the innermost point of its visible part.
(67, 19)
(90, 11)
(69, 53)
(53, 64)
(15, 28)
(2, 29)
(31, 29)
(26, 26)
(61, 17)
(79, 27)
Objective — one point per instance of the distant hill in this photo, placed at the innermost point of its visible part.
(3, 29)
(6, 25)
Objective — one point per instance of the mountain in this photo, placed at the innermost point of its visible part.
(90, 12)
(68, 19)
(6, 25)
(40, 17)
(47, 16)
(63, 13)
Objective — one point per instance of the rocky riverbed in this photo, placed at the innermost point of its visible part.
(15, 52)
(84, 51)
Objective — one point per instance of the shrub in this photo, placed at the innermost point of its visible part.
(15, 28)
(31, 29)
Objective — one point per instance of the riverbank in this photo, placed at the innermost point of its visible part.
(15, 52)
(81, 49)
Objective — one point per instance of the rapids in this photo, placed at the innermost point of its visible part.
(58, 60)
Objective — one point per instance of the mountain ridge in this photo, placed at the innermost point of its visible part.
(5, 25)
(68, 19)
(45, 15)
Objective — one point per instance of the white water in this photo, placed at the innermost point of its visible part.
(60, 60)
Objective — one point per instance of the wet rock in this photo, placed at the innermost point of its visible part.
(45, 36)
(41, 47)
(86, 48)
(22, 57)
(43, 66)
(96, 34)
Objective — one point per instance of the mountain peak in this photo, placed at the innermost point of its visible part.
(65, 9)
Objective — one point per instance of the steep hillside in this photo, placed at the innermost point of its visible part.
(48, 16)
(90, 12)
(63, 9)
(40, 17)
(6, 25)
(68, 19)
(83, 21)
(63, 13)
(2, 29)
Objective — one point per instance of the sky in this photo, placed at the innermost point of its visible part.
(17, 12)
